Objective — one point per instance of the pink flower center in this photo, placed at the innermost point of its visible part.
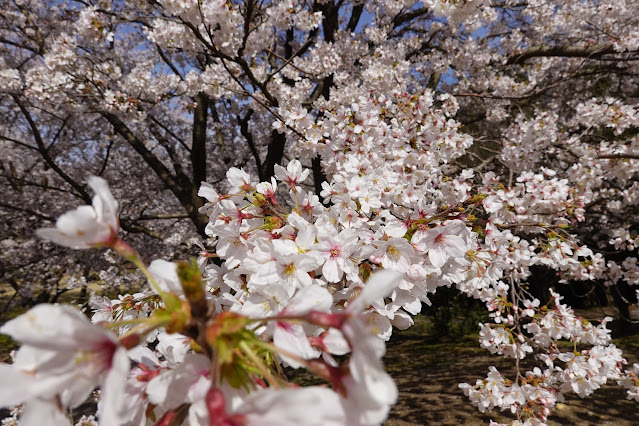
(99, 358)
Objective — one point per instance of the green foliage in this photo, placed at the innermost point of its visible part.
(7, 344)
(453, 314)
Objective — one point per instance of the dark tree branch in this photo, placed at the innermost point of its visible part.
(179, 185)
(274, 154)
(329, 20)
(175, 161)
(289, 59)
(27, 210)
(106, 158)
(162, 216)
(215, 52)
(198, 158)
(409, 16)
(171, 133)
(355, 16)
(627, 156)
(315, 94)
(44, 152)
(590, 52)
(17, 142)
(219, 136)
(58, 132)
(130, 226)
(250, 5)
(158, 167)
(45, 186)
(244, 123)
(169, 63)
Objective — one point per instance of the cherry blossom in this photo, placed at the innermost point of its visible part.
(61, 365)
(442, 242)
(292, 175)
(426, 144)
(87, 226)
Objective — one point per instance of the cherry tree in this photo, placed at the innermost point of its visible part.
(340, 161)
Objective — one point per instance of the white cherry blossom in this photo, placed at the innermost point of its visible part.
(87, 226)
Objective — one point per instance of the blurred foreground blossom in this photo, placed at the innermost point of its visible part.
(87, 226)
(62, 359)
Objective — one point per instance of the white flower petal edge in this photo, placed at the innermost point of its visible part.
(39, 412)
(312, 406)
(87, 226)
(64, 357)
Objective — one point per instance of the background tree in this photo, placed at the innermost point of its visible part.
(159, 96)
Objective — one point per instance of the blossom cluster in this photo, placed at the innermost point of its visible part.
(180, 349)
(319, 278)
(579, 369)
(295, 282)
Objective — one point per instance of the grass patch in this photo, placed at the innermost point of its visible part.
(7, 344)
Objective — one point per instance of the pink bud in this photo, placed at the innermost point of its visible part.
(216, 405)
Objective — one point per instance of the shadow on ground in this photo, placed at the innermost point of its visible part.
(428, 370)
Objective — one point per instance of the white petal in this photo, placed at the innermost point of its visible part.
(165, 273)
(331, 271)
(39, 412)
(437, 256)
(15, 386)
(335, 342)
(379, 285)
(310, 298)
(291, 338)
(280, 172)
(103, 202)
(455, 245)
(310, 406)
(207, 191)
(57, 237)
(144, 355)
(113, 390)
(285, 247)
(78, 228)
(72, 329)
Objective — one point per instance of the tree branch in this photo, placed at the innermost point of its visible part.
(168, 62)
(179, 185)
(274, 154)
(163, 216)
(130, 226)
(175, 161)
(356, 14)
(27, 210)
(171, 133)
(590, 52)
(409, 16)
(198, 158)
(45, 153)
(619, 156)
(244, 121)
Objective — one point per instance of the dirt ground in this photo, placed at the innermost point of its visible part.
(428, 370)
